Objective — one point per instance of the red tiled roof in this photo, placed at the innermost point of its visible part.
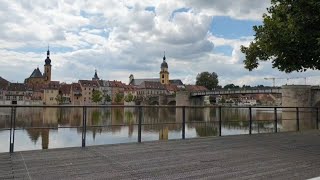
(3, 83)
(171, 87)
(151, 85)
(89, 83)
(65, 88)
(116, 84)
(193, 88)
(17, 87)
(76, 87)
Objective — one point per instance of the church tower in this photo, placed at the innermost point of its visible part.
(164, 73)
(47, 68)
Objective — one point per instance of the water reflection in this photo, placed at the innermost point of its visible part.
(43, 128)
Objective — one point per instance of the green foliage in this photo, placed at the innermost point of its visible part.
(95, 117)
(129, 98)
(231, 86)
(222, 100)
(107, 98)
(96, 96)
(289, 37)
(118, 98)
(208, 80)
(59, 99)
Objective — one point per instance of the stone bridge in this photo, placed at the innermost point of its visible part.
(160, 100)
(238, 91)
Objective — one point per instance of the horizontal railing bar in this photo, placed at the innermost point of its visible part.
(149, 106)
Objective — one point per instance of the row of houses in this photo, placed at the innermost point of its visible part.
(81, 93)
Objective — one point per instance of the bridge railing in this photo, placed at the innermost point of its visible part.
(238, 91)
(220, 118)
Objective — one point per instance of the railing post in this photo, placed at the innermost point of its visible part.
(84, 126)
(140, 124)
(220, 120)
(317, 119)
(183, 122)
(275, 120)
(250, 120)
(12, 128)
(298, 123)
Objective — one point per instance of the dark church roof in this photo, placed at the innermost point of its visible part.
(177, 82)
(48, 60)
(36, 73)
(95, 77)
(137, 82)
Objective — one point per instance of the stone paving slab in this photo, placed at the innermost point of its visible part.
(261, 156)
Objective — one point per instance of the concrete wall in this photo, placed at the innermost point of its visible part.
(183, 98)
(297, 96)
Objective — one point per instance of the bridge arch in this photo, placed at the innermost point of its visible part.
(154, 103)
(172, 103)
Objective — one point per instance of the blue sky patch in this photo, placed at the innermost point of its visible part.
(150, 8)
(226, 27)
(225, 50)
(178, 11)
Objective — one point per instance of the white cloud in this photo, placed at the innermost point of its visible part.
(119, 38)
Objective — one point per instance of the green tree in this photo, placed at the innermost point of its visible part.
(289, 37)
(59, 98)
(208, 80)
(118, 98)
(107, 98)
(129, 98)
(231, 86)
(96, 96)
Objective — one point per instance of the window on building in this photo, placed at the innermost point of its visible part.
(162, 75)
(162, 81)
(20, 98)
(7, 97)
(14, 98)
(85, 88)
(51, 99)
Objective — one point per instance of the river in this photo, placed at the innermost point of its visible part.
(119, 125)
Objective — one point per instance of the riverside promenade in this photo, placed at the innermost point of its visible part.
(293, 155)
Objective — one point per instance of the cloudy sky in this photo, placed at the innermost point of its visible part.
(123, 37)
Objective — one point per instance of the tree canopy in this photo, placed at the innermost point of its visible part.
(96, 96)
(208, 80)
(289, 37)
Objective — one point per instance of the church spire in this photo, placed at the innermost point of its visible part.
(95, 77)
(48, 52)
(48, 60)
(164, 55)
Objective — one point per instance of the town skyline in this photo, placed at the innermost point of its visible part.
(197, 36)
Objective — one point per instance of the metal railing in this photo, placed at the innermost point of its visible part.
(238, 91)
(220, 121)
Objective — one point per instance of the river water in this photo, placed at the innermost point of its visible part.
(47, 128)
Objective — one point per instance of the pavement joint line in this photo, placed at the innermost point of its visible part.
(121, 165)
(25, 165)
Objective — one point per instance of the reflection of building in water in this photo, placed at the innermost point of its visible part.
(164, 133)
(289, 119)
